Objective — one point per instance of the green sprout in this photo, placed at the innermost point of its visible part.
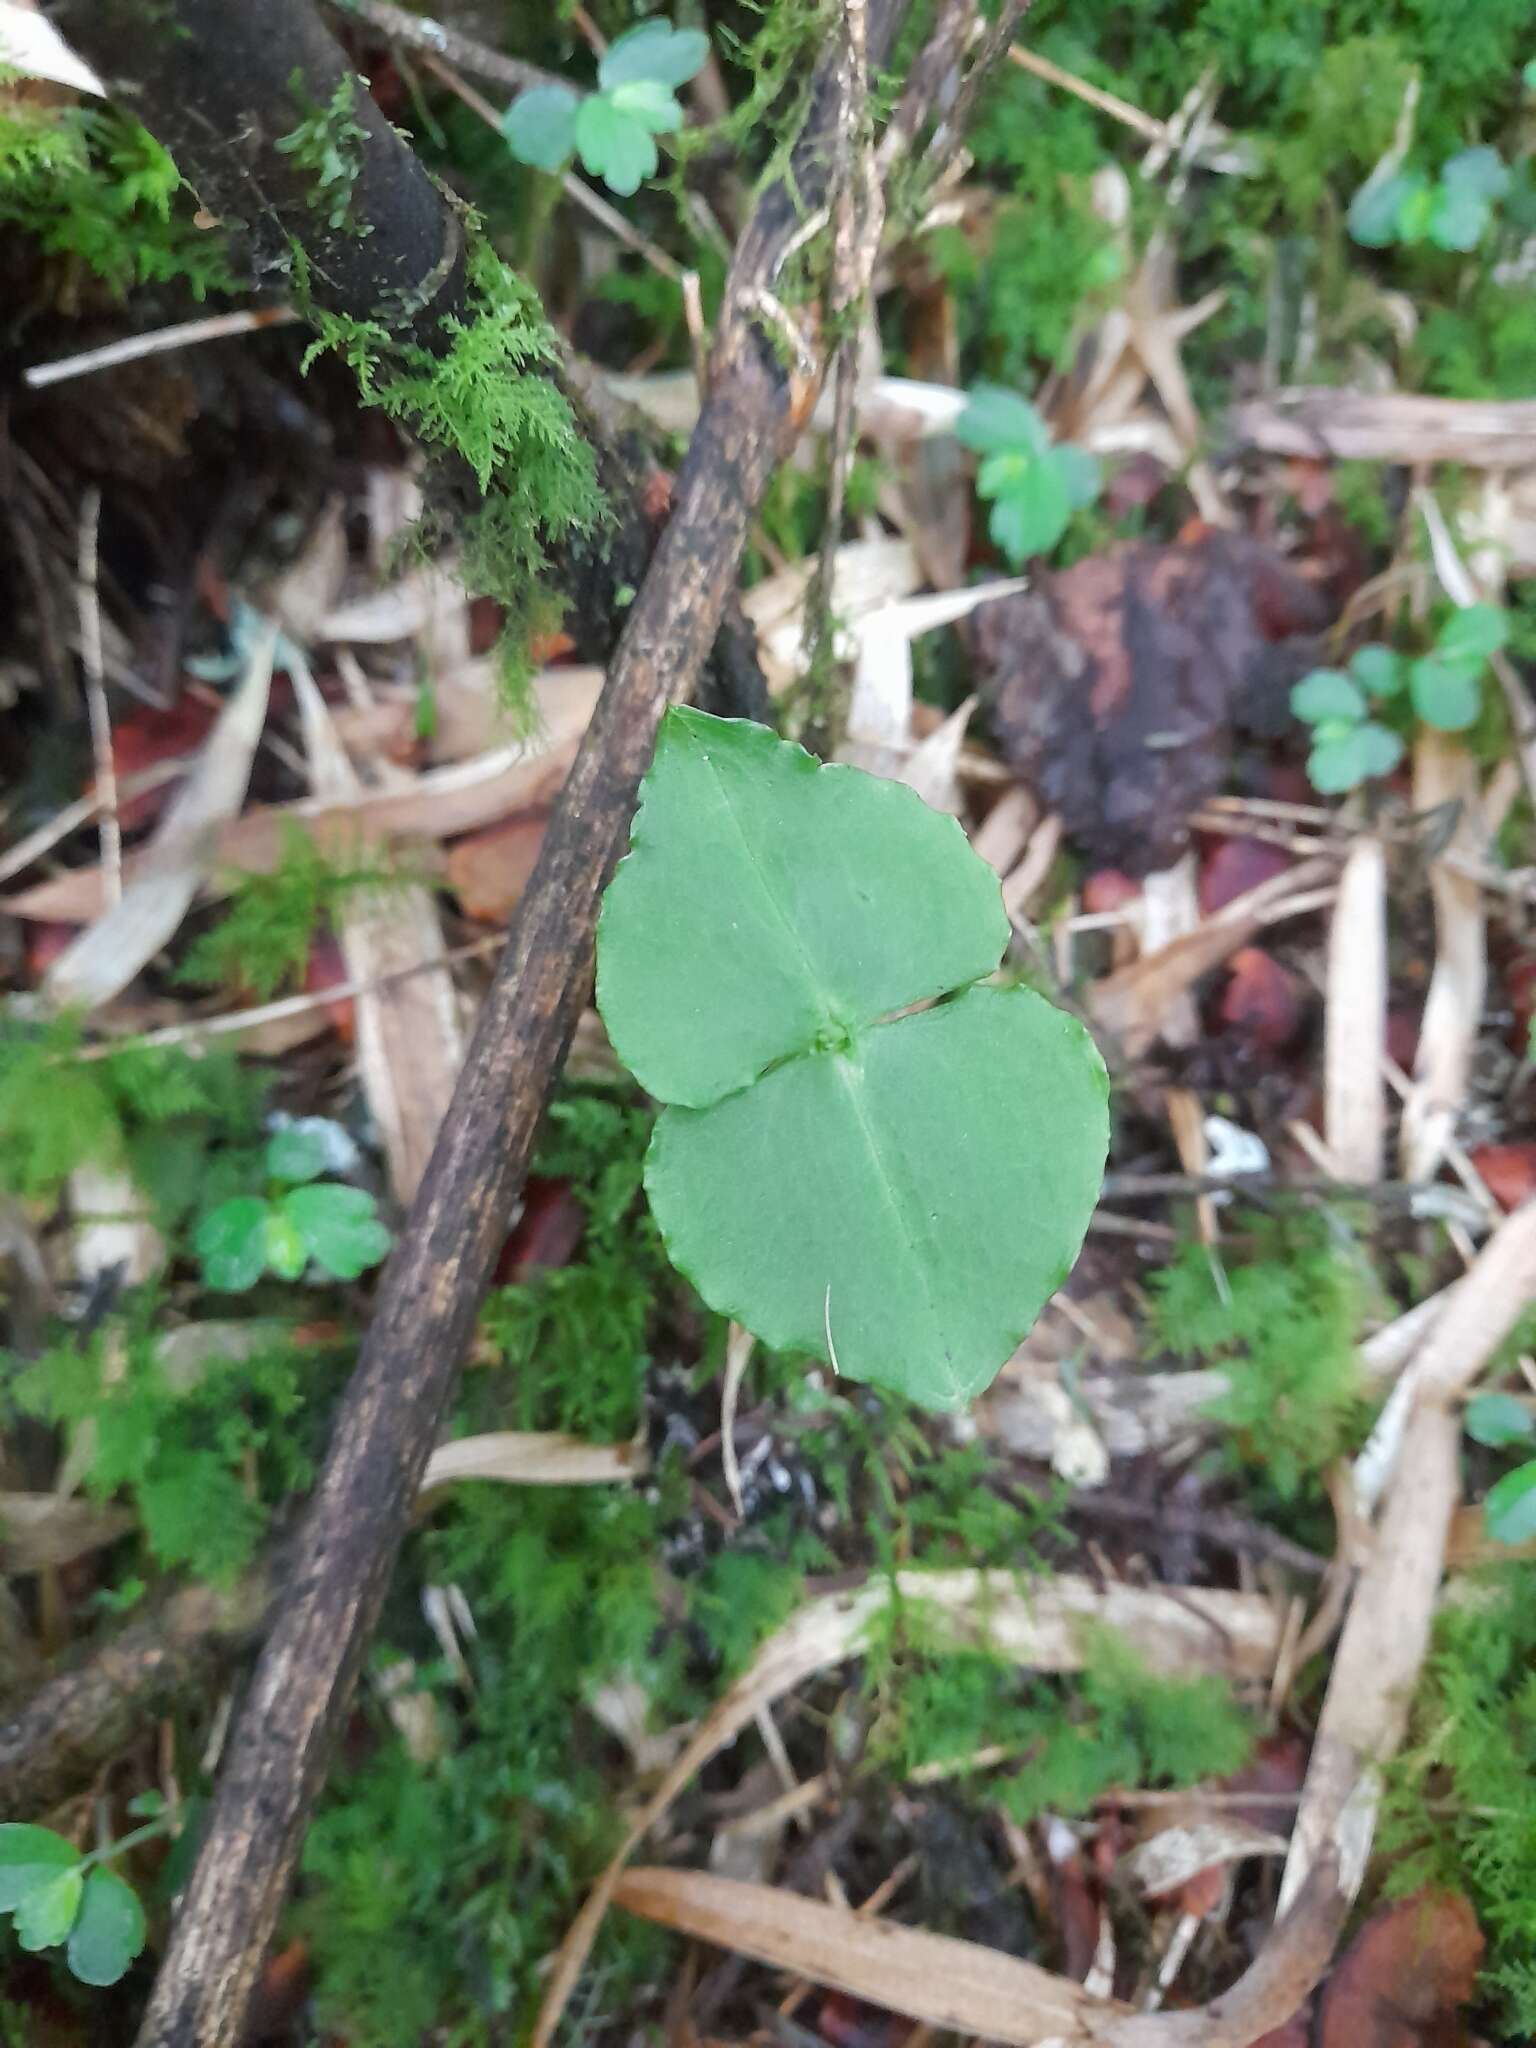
(1452, 211)
(1033, 485)
(1443, 688)
(614, 129)
(301, 1219)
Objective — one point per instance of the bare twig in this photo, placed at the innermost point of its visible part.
(186, 334)
(89, 602)
(437, 39)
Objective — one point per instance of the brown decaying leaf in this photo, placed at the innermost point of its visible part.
(955, 1985)
(488, 870)
(438, 805)
(532, 1458)
(1405, 1977)
(1116, 689)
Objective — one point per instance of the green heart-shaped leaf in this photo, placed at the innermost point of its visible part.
(1510, 1509)
(232, 1244)
(1498, 1419)
(613, 145)
(656, 51)
(999, 422)
(1473, 633)
(286, 1252)
(1481, 170)
(1029, 518)
(904, 1209)
(1375, 212)
(1344, 757)
(296, 1153)
(339, 1226)
(651, 103)
(898, 1194)
(109, 1932)
(1378, 670)
(30, 1857)
(540, 126)
(1457, 219)
(44, 1917)
(1446, 694)
(769, 904)
(1325, 695)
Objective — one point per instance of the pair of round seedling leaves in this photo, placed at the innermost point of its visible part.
(865, 1154)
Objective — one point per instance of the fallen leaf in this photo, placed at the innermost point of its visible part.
(1116, 690)
(148, 736)
(1107, 889)
(488, 870)
(1261, 1002)
(1234, 866)
(548, 1231)
(1508, 1170)
(1405, 1976)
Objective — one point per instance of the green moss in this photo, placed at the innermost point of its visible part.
(1068, 1742)
(488, 398)
(1460, 1810)
(1284, 1325)
(97, 189)
(327, 142)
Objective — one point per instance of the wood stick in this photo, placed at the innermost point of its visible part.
(391, 1413)
(1389, 426)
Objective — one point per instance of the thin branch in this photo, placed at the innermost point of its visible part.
(88, 599)
(134, 346)
(391, 1413)
(436, 39)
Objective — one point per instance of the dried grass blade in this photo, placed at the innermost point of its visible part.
(1355, 1103)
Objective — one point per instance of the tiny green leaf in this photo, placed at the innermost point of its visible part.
(231, 1243)
(109, 1932)
(1379, 671)
(1081, 473)
(614, 146)
(540, 126)
(1457, 219)
(29, 1857)
(1473, 633)
(1416, 210)
(999, 422)
(1344, 757)
(1446, 694)
(339, 1226)
(147, 1805)
(285, 1250)
(44, 1917)
(1376, 210)
(1325, 695)
(655, 50)
(1498, 1419)
(296, 1153)
(1029, 518)
(1481, 171)
(650, 103)
(1510, 1509)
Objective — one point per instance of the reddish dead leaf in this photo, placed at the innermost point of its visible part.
(850, 2023)
(546, 1234)
(489, 870)
(1204, 1892)
(1520, 988)
(1275, 1771)
(1310, 483)
(1403, 1036)
(1261, 1002)
(1107, 889)
(1234, 866)
(1135, 483)
(45, 942)
(1296, 2033)
(146, 738)
(656, 496)
(1117, 689)
(1405, 1976)
(325, 969)
(1509, 1170)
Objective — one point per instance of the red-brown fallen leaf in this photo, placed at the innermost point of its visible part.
(1509, 1170)
(146, 738)
(1520, 988)
(1296, 2033)
(1262, 1001)
(1310, 483)
(849, 2023)
(1117, 686)
(1135, 483)
(548, 1231)
(489, 870)
(326, 968)
(1404, 1978)
(656, 495)
(1106, 889)
(1234, 866)
(1403, 1035)
(45, 942)
(1276, 1769)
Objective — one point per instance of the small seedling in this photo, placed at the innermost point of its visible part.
(59, 1897)
(1033, 485)
(1510, 1508)
(302, 1218)
(1450, 212)
(614, 129)
(846, 1173)
(1443, 687)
